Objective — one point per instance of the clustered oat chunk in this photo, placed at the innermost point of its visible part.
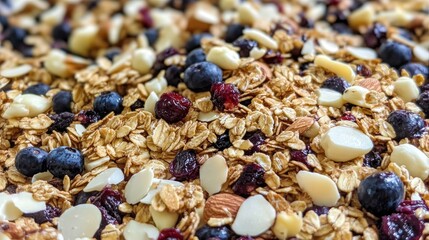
(185, 119)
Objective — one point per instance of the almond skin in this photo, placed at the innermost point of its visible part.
(370, 84)
(222, 205)
(301, 124)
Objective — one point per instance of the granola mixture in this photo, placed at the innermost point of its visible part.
(229, 119)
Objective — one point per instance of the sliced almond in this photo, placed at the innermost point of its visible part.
(329, 98)
(25, 202)
(255, 216)
(363, 16)
(308, 48)
(86, 219)
(260, 37)
(54, 15)
(341, 69)
(343, 144)
(143, 60)
(362, 53)
(208, 116)
(93, 164)
(138, 186)
(108, 176)
(328, 46)
(16, 71)
(320, 188)
(397, 17)
(247, 14)
(149, 105)
(45, 176)
(421, 53)
(82, 38)
(80, 129)
(224, 58)
(213, 174)
(8, 210)
(141, 231)
(257, 53)
(157, 185)
(157, 85)
(287, 225)
(163, 219)
(370, 84)
(414, 160)
(313, 131)
(34, 103)
(115, 29)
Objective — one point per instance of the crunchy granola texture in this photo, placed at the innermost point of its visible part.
(279, 99)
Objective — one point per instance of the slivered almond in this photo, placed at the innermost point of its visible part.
(370, 84)
(301, 124)
(222, 205)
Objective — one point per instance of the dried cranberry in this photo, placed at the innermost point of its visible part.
(61, 122)
(45, 215)
(348, 116)
(224, 96)
(305, 22)
(301, 155)
(363, 70)
(145, 17)
(372, 159)
(245, 238)
(399, 226)
(257, 138)
(223, 142)
(251, 178)
(137, 104)
(108, 201)
(170, 234)
(375, 36)
(410, 206)
(160, 58)
(185, 166)
(319, 210)
(172, 107)
(272, 57)
(86, 117)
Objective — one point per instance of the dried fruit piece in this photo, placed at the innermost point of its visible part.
(400, 226)
(185, 166)
(224, 96)
(172, 107)
(406, 124)
(251, 178)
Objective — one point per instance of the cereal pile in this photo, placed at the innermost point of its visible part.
(229, 119)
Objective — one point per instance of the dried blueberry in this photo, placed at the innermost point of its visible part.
(406, 124)
(336, 83)
(185, 166)
(251, 178)
(16, 36)
(61, 122)
(38, 89)
(245, 46)
(170, 234)
(372, 159)
(272, 57)
(195, 56)
(200, 77)
(423, 102)
(137, 104)
(375, 36)
(61, 32)
(233, 32)
(401, 226)
(62, 102)
(31, 160)
(172, 75)
(86, 117)
(225, 96)
(319, 210)
(45, 215)
(223, 142)
(416, 68)
(381, 193)
(257, 138)
(112, 53)
(160, 58)
(172, 107)
(83, 197)
(220, 233)
(395, 54)
(151, 35)
(363, 70)
(301, 155)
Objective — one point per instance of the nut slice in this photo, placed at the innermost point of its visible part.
(138, 186)
(163, 219)
(157, 185)
(108, 176)
(135, 230)
(329, 98)
(341, 69)
(416, 161)
(213, 173)
(362, 53)
(8, 210)
(81, 221)
(406, 89)
(16, 71)
(25, 202)
(321, 188)
(222, 205)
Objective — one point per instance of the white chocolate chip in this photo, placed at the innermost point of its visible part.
(247, 14)
(322, 190)
(27, 105)
(356, 95)
(339, 68)
(329, 98)
(363, 16)
(224, 58)
(207, 117)
(93, 164)
(25, 202)
(421, 53)
(8, 210)
(108, 176)
(328, 46)
(81, 39)
(157, 85)
(157, 185)
(406, 89)
(54, 15)
(255, 216)
(115, 28)
(229, 4)
(342, 144)
(149, 105)
(362, 52)
(260, 37)
(16, 71)
(140, 231)
(138, 186)
(81, 221)
(45, 176)
(213, 174)
(143, 60)
(414, 160)
(287, 225)
(308, 47)
(163, 219)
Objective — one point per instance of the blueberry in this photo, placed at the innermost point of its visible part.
(195, 41)
(233, 32)
(112, 53)
(199, 77)
(151, 35)
(30, 161)
(223, 142)
(38, 89)
(406, 124)
(16, 37)
(160, 58)
(395, 54)
(423, 102)
(342, 28)
(219, 233)
(62, 102)
(195, 56)
(64, 161)
(245, 46)
(61, 32)
(4, 23)
(405, 34)
(416, 68)
(375, 36)
(137, 104)
(45, 215)
(172, 75)
(372, 159)
(336, 83)
(108, 102)
(381, 193)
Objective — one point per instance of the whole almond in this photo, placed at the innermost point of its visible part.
(301, 124)
(222, 205)
(370, 84)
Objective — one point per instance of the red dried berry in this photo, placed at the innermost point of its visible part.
(245, 238)
(399, 226)
(170, 234)
(348, 117)
(224, 96)
(61, 121)
(145, 17)
(319, 210)
(363, 70)
(272, 57)
(86, 117)
(251, 178)
(301, 156)
(410, 206)
(185, 166)
(257, 138)
(172, 107)
(45, 215)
